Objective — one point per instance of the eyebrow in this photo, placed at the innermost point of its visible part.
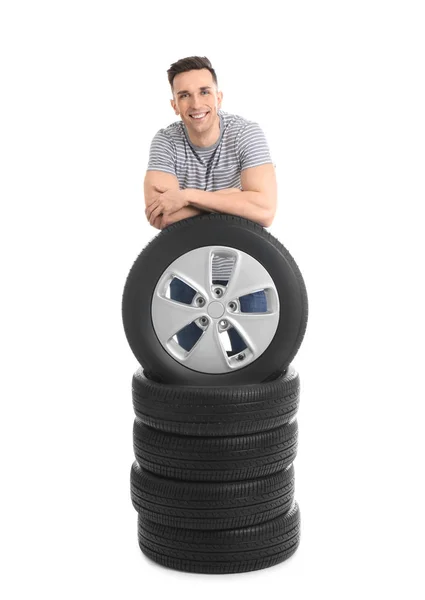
(205, 87)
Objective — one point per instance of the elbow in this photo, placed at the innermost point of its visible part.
(268, 219)
(265, 222)
(269, 209)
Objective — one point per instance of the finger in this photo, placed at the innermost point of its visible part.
(157, 223)
(156, 220)
(155, 213)
(154, 200)
(150, 208)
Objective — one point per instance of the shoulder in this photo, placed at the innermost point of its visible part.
(236, 121)
(249, 141)
(237, 126)
(172, 134)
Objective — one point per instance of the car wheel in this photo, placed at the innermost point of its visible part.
(215, 458)
(211, 505)
(222, 551)
(214, 300)
(216, 410)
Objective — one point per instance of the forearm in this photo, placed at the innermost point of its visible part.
(179, 215)
(192, 211)
(187, 212)
(250, 205)
(227, 191)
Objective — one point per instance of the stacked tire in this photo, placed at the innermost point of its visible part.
(215, 441)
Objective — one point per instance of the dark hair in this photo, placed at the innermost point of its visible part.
(189, 64)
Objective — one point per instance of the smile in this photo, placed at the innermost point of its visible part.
(199, 116)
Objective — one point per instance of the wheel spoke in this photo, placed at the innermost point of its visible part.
(208, 353)
(195, 269)
(248, 276)
(171, 316)
(256, 329)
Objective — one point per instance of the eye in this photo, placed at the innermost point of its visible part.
(205, 91)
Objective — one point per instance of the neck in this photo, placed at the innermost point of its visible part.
(206, 138)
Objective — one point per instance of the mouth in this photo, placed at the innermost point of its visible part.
(201, 116)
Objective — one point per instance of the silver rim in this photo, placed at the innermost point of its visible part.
(215, 309)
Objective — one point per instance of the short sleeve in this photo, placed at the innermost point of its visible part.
(162, 154)
(252, 147)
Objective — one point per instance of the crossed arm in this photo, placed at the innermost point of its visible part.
(167, 204)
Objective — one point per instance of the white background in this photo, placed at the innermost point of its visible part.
(338, 87)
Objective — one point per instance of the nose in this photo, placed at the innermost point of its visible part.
(197, 101)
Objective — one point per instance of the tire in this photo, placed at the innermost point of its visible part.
(216, 411)
(261, 262)
(215, 458)
(223, 551)
(211, 505)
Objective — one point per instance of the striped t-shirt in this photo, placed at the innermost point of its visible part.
(241, 145)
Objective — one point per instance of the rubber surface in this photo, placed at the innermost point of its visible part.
(194, 458)
(223, 551)
(211, 505)
(209, 230)
(216, 410)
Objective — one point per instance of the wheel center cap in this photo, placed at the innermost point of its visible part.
(215, 310)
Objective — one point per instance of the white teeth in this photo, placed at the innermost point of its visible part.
(199, 116)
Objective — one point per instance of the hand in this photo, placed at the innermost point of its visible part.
(158, 224)
(166, 203)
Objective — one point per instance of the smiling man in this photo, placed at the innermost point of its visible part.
(210, 160)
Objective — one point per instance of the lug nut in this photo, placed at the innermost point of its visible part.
(218, 292)
(232, 306)
(241, 356)
(223, 323)
(200, 301)
(204, 321)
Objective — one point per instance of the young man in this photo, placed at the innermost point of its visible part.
(210, 161)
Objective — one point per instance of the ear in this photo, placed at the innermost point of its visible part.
(174, 106)
(219, 99)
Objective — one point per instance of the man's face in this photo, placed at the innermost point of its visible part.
(196, 100)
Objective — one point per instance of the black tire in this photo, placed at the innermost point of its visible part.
(223, 551)
(215, 458)
(214, 230)
(216, 411)
(211, 505)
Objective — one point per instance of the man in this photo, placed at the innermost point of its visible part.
(210, 161)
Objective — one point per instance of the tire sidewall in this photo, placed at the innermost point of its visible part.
(195, 233)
